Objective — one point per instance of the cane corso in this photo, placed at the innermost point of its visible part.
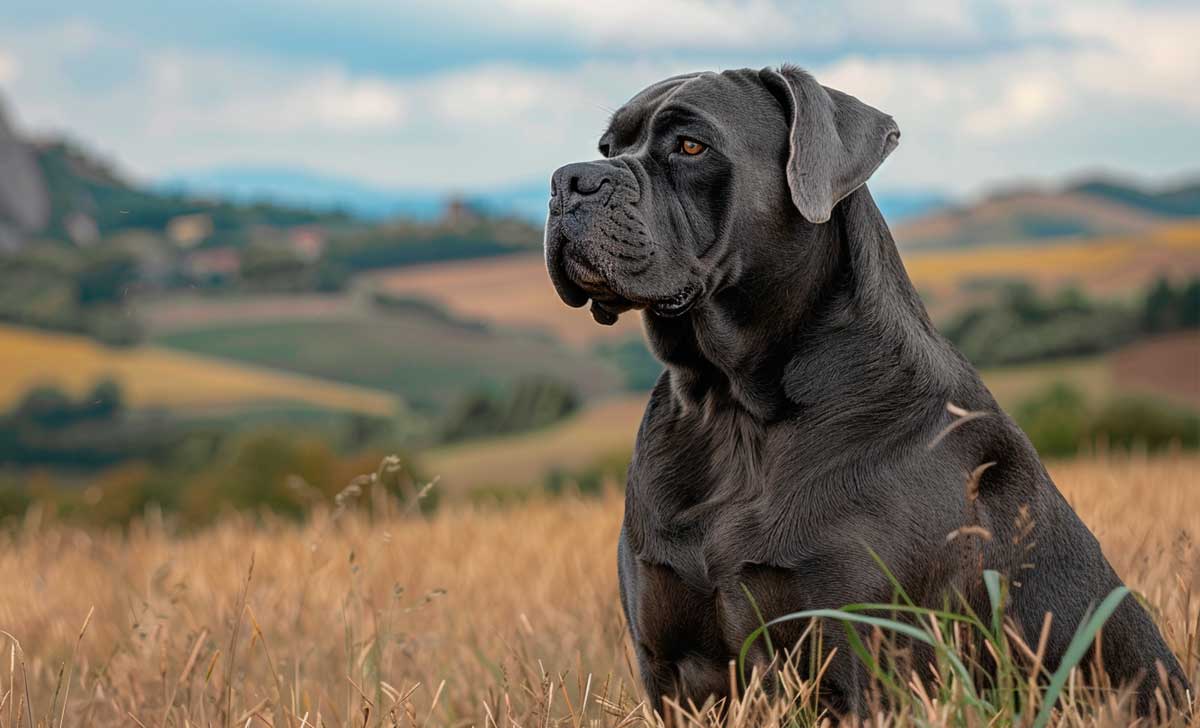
(787, 445)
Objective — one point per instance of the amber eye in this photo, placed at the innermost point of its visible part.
(691, 147)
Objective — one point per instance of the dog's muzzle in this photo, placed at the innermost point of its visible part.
(591, 237)
(598, 246)
(575, 197)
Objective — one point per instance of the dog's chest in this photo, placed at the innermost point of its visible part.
(705, 498)
(703, 522)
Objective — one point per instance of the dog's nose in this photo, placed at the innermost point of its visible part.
(581, 178)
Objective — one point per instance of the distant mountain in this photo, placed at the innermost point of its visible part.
(899, 205)
(1181, 200)
(89, 199)
(303, 187)
(526, 200)
(1085, 209)
(24, 199)
(54, 189)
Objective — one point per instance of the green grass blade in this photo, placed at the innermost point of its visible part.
(1076, 650)
(762, 621)
(859, 648)
(995, 590)
(926, 611)
(836, 614)
(890, 576)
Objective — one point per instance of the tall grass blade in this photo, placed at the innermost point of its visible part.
(995, 590)
(1076, 650)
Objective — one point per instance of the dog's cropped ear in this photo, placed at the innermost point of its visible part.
(836, 140)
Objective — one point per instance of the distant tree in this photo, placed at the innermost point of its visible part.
(1071, 299)
(46, 406)
(532, 402)
(275, 268)
(1189, 316)
(106, 400)
(1159, 309)
(1022, 299)
(1137, 422)
(106, 276)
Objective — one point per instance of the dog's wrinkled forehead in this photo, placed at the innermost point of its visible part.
(730, 100)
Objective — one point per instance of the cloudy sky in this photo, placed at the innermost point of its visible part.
(460, 94)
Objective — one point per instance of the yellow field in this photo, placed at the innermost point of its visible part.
(475, 617)
(1109, 266)
(602, 429)
(154, 377)
(511, 291)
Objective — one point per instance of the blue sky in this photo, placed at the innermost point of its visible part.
(463, 94)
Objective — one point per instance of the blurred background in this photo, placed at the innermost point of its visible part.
(247, 250)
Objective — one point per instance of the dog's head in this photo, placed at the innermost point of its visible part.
(695, 169)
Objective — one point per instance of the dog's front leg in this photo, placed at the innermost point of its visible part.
(676, 634)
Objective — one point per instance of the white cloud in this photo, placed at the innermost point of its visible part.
(209, 93)
(706, 24)
(747, 26)
(1021, 102)
(491, 94)
(1119, 93)
(8, 68)
(1118, 90)
(1148, 53)
(342, 103)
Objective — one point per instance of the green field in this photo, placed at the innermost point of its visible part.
(423, 359)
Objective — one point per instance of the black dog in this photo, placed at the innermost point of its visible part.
(789, 435)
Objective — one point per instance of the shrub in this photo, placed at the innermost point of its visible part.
(1022, 326)
(113, 326)
(533, 402)
(592, 479)
(1055, 420)
(1131, 422)
(1058, 421)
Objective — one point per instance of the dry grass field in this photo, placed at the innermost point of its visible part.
(515, 291)
(155, 377)
(473, 617)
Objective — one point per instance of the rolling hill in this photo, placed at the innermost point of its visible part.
(158, 378)
(410, 348)
(514, 291)
(54, 189)
(1087, 209)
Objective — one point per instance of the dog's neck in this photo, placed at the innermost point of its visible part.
(837, 316)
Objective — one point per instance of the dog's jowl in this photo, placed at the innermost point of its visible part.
(787, 443)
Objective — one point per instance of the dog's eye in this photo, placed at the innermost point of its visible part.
(691, 147)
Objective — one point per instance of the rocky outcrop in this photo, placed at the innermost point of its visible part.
(24, 200)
